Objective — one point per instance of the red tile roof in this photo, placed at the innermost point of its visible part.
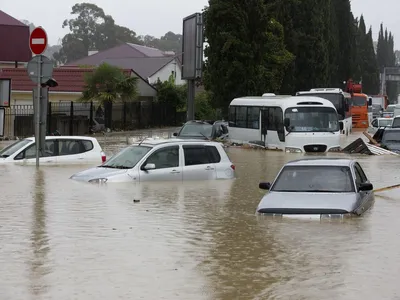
(68, 79)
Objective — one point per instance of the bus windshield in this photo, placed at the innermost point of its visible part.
(336, 99)
(312, 119)
(359, 101)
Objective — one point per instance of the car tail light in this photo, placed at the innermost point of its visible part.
(233, 167)
(103, 157)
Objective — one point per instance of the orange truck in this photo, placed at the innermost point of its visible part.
(359, 105)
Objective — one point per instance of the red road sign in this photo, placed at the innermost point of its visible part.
(38, 40)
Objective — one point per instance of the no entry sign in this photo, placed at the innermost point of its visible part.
(38, 40)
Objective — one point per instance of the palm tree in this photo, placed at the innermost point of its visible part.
(107, 84)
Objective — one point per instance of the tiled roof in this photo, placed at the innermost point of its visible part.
(68, 79)
(143, 66)
(7, 20)
(16, 35)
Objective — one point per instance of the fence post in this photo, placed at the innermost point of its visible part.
(71, 120)
(91, 116)
(124, 116)
(49, 118)
(139, 114)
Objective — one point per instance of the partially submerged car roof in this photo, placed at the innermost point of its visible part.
(151, 142)
(321, 162)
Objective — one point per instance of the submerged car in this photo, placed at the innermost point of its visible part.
(57, 150)
(319, 187)
(203, 130)
(379, 123)
(163, 160)
(390, 139)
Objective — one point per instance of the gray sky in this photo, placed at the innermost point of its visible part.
(156, 17)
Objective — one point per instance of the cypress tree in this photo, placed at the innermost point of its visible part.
(246, 54)
(370, 74)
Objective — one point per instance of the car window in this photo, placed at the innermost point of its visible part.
(10, 150)
(30, 152)
(396, 123)
(200, 155)
(167, 157)
(374, 123)
(196, 130)
(358, 177)
(335, 179)
(69, 147)
(361, 173)
(127, 158)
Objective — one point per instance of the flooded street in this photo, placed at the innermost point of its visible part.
(62, 239)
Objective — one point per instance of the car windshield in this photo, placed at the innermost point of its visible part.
(10, 150)
(196, 130)
(396, 123)
(127, 158)
(387, 122)
(329, 179)
(391, 136)
(312, 119)
(359, 101)
(390, 108)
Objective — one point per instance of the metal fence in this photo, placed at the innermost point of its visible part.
(72, 118)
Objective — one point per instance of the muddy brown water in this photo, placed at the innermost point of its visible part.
(62, 239)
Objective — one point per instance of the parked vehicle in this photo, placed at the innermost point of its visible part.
(163, 160)
(340, 99)
(391, 139)
(379, 123)
(389, 112)
(380, 100)
(396, 111)
(320, 187)
(395, 122)
(292, 124)
(58, 149)
(359, 105)
(203, 130)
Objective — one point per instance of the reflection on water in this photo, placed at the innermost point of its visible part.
(62, 239)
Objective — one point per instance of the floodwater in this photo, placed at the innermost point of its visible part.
(62, 239)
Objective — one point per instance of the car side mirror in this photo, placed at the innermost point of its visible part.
(148, 167)
(175, 134)
(366, 186)
(264, 185)
(286, 122)
(341, 126)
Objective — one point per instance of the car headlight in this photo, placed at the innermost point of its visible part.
(98, 180)
(293, 150)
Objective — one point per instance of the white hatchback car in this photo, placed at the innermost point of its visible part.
(163, 160)
(58, 149)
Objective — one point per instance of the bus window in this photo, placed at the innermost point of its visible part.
(241, 116)
(253, 117)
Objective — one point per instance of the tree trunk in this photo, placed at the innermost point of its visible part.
(108, 114)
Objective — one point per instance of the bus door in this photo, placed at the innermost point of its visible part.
(264, 125)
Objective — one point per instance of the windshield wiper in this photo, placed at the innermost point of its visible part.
(114, 167)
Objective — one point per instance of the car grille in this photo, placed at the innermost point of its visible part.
(356, 117)
(315, 148)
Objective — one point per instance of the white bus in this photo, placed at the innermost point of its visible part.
(341, 100)
(292, 124)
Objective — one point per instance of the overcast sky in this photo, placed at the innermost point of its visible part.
(156, 17)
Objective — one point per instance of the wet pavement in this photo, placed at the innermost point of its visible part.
(62, 239)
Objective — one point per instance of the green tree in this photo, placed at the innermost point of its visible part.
(245, 51)
(370, 70)
(203, 107)
(168, 42)
(171, 94)
(91, 29)
(108, 84)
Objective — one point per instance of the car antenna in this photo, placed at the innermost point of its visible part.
(142, 141)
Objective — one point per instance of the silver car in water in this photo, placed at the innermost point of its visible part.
(319, 187)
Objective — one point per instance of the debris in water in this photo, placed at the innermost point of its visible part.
(136, 201)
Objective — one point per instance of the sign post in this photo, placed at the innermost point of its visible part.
(38, 44)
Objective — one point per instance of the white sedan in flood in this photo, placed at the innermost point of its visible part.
(58, 149)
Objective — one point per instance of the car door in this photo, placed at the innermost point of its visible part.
(69, 151)
(366, 197)
(47, 156)
(198, 163)
(167, 163)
